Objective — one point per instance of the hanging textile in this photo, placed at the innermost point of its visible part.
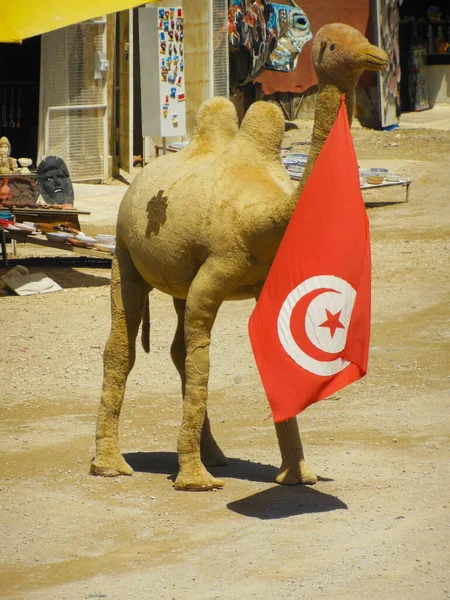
(251, 38)
(294, 31)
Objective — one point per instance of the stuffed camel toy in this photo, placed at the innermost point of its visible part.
(204, 226)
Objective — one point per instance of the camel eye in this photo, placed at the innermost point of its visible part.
(332, 46)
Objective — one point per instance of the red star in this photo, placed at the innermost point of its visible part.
(332, 322)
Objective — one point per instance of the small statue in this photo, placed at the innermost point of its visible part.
(4, 164)
(7, 164)
(54, 182)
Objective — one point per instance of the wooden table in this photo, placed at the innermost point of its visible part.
(159, 148)
(41, 240)
(52, 216)
(403, 183)
(369, 186)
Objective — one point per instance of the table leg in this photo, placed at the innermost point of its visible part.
(3, 244)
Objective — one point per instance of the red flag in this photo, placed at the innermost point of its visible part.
(310, 328)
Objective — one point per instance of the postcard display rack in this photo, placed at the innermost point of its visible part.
(161, 48)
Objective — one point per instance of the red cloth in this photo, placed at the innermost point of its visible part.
(310, 328)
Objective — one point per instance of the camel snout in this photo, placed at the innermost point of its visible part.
(372, 58)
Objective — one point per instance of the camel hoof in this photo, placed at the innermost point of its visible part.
(189, 484)
(112, 468)
(294, 476)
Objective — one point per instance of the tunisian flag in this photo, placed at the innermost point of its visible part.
(310, 328)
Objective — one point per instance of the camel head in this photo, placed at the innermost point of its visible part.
(341, 53)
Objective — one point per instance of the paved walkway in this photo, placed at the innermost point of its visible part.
(102, 201)
(436, 118)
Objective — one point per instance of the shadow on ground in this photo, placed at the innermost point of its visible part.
(71, 278)
(275, 503)
(166, 462)
(61, 261)
(64, 270)
(286, 501)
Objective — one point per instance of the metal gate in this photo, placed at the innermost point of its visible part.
(73, 109)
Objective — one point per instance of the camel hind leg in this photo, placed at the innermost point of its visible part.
(211, 454)
(128, 293)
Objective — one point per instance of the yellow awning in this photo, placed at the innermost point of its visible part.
(21, 19)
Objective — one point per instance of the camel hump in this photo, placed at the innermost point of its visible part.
(216, 124)
(262, 128)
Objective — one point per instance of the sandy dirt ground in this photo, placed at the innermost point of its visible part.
(376, 525)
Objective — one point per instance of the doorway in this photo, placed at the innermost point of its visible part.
(19, 96)
(424, 54)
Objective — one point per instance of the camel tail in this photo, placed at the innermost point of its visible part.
(145, 335)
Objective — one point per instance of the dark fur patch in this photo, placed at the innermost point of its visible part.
(157, 213)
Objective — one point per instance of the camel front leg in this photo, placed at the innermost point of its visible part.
(211, 454)
(207, 292)
(128, 293)
(293, 468)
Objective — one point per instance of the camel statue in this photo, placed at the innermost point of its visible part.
(209, 233)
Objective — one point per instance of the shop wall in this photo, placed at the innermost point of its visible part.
(197, 56)
(438, 84)
(113, 159)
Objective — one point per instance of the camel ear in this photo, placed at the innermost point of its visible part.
(323, 45)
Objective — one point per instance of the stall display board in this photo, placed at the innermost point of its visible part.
(161, 50)
(387, 22)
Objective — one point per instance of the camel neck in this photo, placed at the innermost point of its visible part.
(327, 108)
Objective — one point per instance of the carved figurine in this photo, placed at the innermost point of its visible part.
(7, 164)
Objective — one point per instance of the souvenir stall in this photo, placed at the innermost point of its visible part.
(37, 207)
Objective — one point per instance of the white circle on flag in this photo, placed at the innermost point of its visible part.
(335, 297)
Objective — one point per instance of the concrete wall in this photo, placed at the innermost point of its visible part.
(438, 84)
(197, 55)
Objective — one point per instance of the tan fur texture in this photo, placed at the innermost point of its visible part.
(204, 226)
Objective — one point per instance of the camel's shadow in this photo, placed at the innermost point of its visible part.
(275, 503)
(166, 462)
(284, 501)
